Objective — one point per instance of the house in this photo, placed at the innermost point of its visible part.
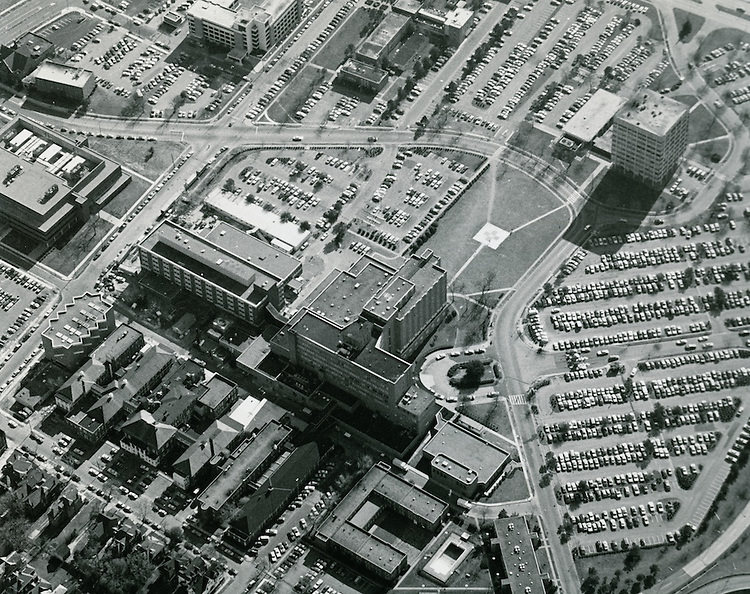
(147, 438)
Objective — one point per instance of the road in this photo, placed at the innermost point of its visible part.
(514, 356)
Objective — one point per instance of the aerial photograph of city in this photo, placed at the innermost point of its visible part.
(374, 296)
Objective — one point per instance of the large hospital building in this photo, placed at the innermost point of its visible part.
(243, 26)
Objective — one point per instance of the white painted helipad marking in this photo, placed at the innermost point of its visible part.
(491, 236)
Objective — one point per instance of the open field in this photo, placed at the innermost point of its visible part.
(512, 488)
(127, 197)
(149, 159)
(704, 125)
(332, 53)
(64, 258)
(490, 414)
(695, 23)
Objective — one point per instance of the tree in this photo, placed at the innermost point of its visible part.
(175, 534)
(632, 558)
(286, 216)
(14, 525)
(339, 231)
(134, 106)
(685, 30)
(304, 226)
(473, 372)
(229, 186)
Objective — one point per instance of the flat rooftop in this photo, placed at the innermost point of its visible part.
(467, 450)
(378, 483)
(389, 28)
(259, 254)
(74, 322)
(219, 265)
(518, 556)
(594, 116)
(243, 461)
(213, 12)
(117, 343)
(364, 71)
(652, 112)
(62, 74)
(28, 188)
(370, 357)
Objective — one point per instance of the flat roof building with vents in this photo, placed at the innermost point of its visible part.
(77, 328)
(230, 269)
(49, 184)
(594, 117)
(62, 81)
(649, 136)
(523, 575)
(465, 457)
(349, 528)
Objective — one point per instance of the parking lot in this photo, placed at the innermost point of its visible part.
(541, 56)
(22, 301)
(652, 328)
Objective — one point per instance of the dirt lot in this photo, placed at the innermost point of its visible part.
(149, 159)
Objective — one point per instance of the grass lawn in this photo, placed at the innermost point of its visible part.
(666, 79)
(516, 254)
(64, 258)
(125, 199)
(533, 140)
(691, 23)
(703, 125)
(737, 556)
(452, 240)
(519, 200)
(511, 488)
(580, 170)
(719, 38)
(472, 324)
(292, 98)
(333, 52)
(104, 102)
(710, 153)
(490, 414)
(150, 159)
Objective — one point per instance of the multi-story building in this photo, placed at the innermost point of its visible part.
(230, 269)
(62, 82)
(147, 438)
(76, 329)
(362, 325)
(20, 57)
(380, 496)
(243, 26)
(649, 135)
(49, 183)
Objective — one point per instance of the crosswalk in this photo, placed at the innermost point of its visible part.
(517, 399)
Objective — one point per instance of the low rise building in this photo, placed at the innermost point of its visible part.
(74, 330)
(147, 438)
(281, 483)
(465, 457)
(362, 75)
(19, 58)
(514, 543)
(349, 530)
(383, 39)
(62, 82)
(216, 441)
(50, 183)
